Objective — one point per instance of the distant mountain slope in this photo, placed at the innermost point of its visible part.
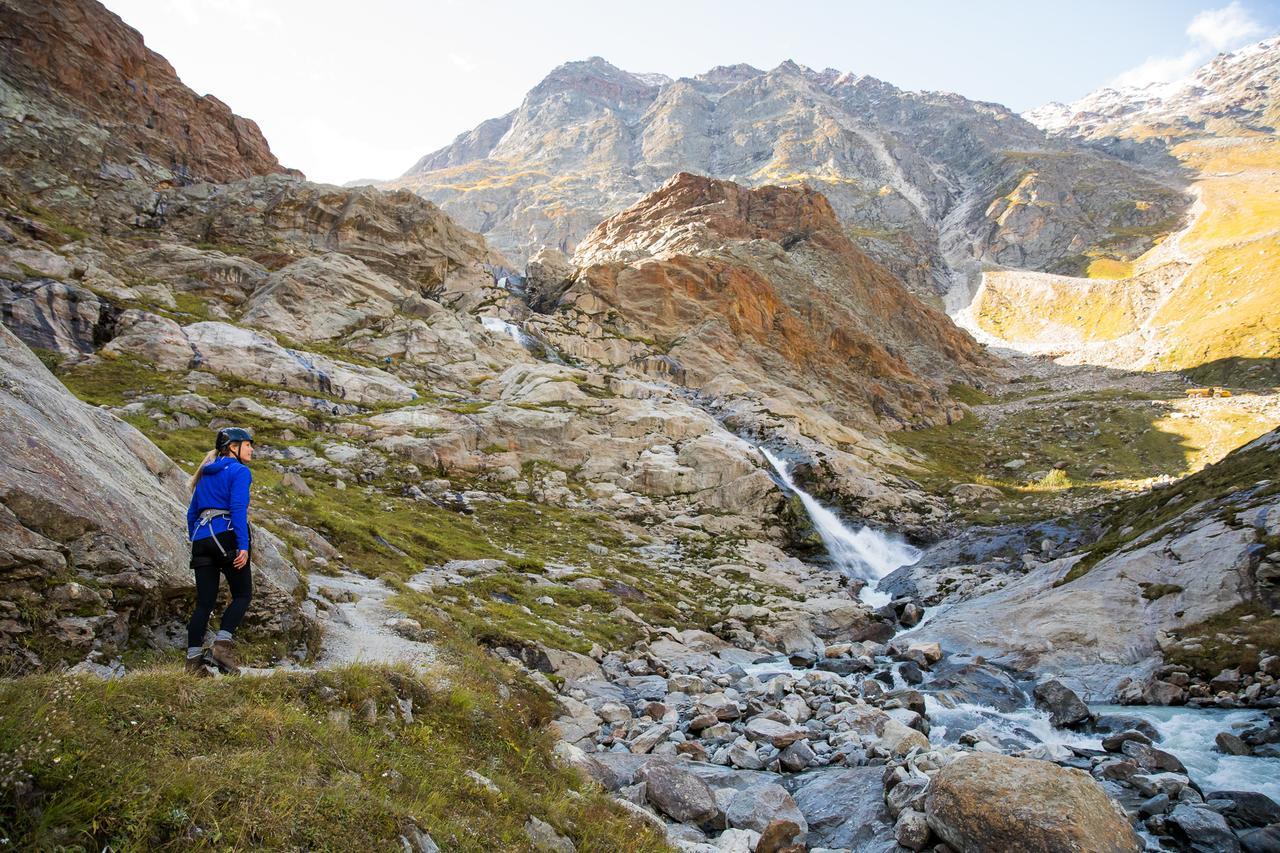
(933, 185)
(1209, 292)
(1232, 94)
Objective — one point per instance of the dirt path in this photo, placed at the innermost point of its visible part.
(358, 626)
(362, 630)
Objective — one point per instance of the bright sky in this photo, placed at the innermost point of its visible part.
(347, 90)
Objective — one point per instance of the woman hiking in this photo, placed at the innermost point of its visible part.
(218, 527)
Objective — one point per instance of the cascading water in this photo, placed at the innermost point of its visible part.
(501, 326)
(1187, 733)
(523, 338)
(865, 553)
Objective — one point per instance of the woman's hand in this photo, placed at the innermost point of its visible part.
(242, 557)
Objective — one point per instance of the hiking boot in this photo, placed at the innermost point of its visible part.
(196, 667)
(224, 655)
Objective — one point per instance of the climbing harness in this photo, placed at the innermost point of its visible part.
(206, 517)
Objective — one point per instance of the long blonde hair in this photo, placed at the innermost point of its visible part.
(208, 457)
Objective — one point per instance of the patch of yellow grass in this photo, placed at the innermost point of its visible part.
(1022, 308)
(1110, 268)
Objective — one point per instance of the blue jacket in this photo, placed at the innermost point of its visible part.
(223, 485)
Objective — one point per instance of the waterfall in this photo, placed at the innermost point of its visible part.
(539, 349)
(864, 553)
(501, 326)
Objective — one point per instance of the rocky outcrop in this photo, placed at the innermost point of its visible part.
(95, 556)
(83, 59)
(994, 802)
(231, 350)
(1169, 561)
(712, 279)
(57, 316)
(278, 218)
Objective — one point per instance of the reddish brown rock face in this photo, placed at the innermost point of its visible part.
(765, 281)
(80, 57)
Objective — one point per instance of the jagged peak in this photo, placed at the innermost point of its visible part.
(1214, 77)
(737, 73)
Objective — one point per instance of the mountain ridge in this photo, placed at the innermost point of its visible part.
(912, 175)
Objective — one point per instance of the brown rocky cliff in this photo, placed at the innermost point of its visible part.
(764, 280)
(81, 57)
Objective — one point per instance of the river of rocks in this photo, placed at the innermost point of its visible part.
(896, 745)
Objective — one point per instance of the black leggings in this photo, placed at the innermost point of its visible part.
(207, 562)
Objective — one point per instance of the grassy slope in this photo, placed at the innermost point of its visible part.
(161, 761)
(273, 763)
(1227, 306)
(1133, 437)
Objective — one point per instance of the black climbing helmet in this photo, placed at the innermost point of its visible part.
(229, 435)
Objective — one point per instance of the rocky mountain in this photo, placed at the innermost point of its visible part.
(1229, 96)
(589, 555)
(932, 185)
(704, 279)
(114, 99)
(1208, 292)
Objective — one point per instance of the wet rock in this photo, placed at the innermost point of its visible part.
(1263, 840)
(844, 666)
(1126, 722)
(1159, 804)
(1152, 759)
(1064, 706)
(995, 802)
(54, 315)
(845, 808)
(1230, 744)
(1116, 742)
(976, 683)
(1244, 809)
(910, 672)
(1200, 829)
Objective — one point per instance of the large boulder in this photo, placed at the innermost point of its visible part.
(1064, 706)
(759, 805)
(93, 550)
(322, 297)
(995, 802)
(679, 795)
(845, 808)
(1198, 828)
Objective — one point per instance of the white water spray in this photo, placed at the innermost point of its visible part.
(865, 553)
(501, 326)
